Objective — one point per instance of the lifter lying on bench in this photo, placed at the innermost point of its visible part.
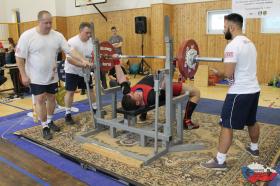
(143, 94)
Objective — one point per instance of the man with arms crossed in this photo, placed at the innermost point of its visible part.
(116, 40)
(74, 69)
(36, 59)
(240, 106)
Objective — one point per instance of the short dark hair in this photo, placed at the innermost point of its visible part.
(128, 103)
(41, 13)
(84, 24)
(113, 27)
(235, 18)
(12, 42)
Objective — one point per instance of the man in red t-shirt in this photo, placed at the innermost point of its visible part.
(143, 94)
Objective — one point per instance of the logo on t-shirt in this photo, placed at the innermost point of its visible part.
(228, 54)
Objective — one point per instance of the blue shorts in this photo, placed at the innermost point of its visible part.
(73, 81)
(239, 110)
(37, 89)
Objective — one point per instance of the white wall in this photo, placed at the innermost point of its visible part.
(60, 7)
(3, 18)
(29, 8)
(181, 1)
(111, 5)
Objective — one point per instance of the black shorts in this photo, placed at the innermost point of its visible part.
(40, 89)
(239, 110)
(73, 81)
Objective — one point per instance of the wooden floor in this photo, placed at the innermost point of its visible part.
(20, 168)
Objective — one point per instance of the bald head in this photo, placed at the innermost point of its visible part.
(42, 14)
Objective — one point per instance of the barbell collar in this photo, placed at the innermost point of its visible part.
(207, 59)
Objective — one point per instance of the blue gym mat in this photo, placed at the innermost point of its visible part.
(264, 114)
(19, 121)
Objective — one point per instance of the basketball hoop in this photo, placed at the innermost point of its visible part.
(81, 3)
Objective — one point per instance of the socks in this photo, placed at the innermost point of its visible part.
(221, 157)
(67, 110)
(49, 118)
(94, 106)
(189, 110)
(254, 146)
(44, 124)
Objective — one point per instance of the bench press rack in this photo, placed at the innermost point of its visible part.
(173, 109)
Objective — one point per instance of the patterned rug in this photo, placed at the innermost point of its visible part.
(176, 168)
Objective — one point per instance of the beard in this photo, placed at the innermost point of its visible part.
(228, 35)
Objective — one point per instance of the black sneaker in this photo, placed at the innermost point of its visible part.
(83, 91)
(53, 127)
(3, 80)
(103, 112)
(47, 133)
(69, 120)
(254, 153)
(189, 125)
(214, 165)
(143, 117)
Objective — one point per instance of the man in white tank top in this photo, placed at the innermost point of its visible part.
(241, 103)
(36, 59)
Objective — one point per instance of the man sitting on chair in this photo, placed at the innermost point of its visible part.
(143, 94)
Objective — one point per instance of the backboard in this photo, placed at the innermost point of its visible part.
(80, 3)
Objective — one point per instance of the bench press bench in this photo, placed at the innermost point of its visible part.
(130, 117)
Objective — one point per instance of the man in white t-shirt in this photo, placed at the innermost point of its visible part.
(241, 103)
(74, 70)
(36, 58)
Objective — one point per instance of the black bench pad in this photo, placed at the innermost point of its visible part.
(140, 110)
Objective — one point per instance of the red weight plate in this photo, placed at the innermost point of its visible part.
(106, 49)
(191, 49)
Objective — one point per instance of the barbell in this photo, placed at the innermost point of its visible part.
(187, 58)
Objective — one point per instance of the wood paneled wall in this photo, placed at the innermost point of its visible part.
(124, 21)
(13, 31)
(188, 21)
(27, 25)
(58, 23)
(159, 11)
(268, 46)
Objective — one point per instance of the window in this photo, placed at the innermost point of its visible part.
(215, 21)
(4, 31)
(270, 25)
